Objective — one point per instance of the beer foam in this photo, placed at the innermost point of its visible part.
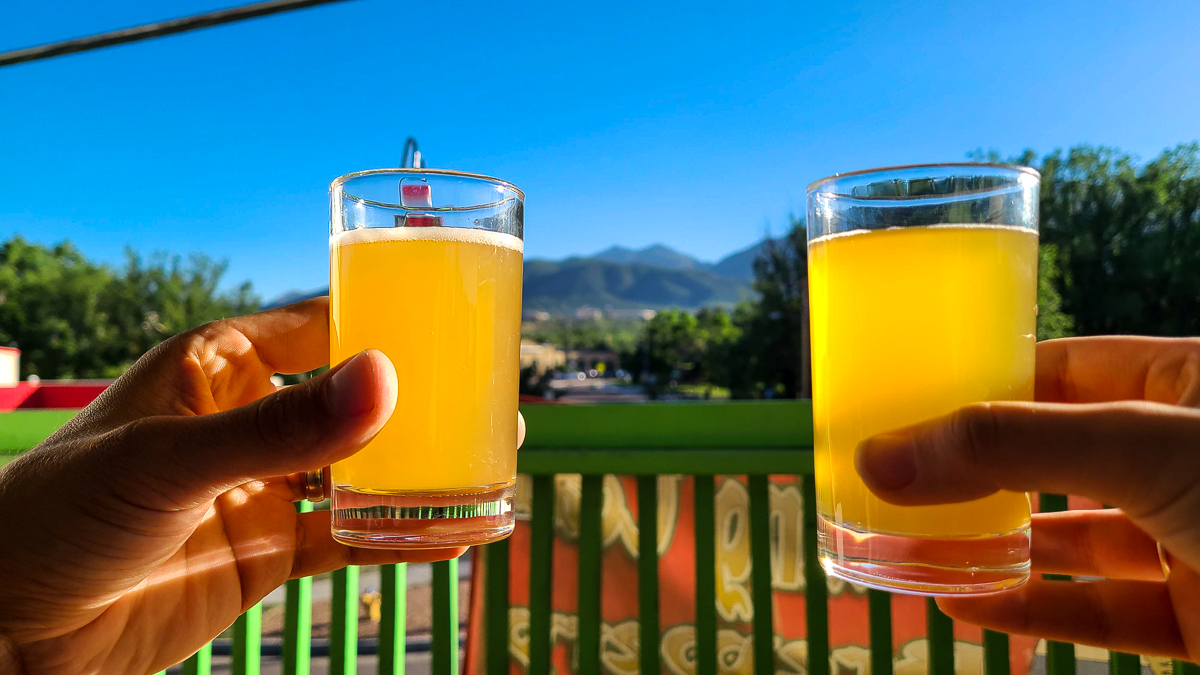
(940, 226)
(464, 235)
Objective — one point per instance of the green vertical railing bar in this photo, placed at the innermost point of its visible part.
(247, 642)
(760, 571)
(200, 663)
(541, 577)
(496, 606)
(1120, 663)
(297, 619)
(343, 628)
(1186, 668)
(445, 617)
(591, 553)
(393, 607)
(648, 627)
(1060, 656)
(996, 660)
(939, 628)
(816, 593)
(705, 528)
(879, 613)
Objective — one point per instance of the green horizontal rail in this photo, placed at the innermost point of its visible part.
(654, 461)
(691, 425)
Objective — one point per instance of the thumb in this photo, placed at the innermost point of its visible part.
(1141, 457)
(302, 427)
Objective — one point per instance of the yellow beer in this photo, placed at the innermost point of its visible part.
(444, 304)
(908, 324)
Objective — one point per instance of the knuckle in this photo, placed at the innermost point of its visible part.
(974, 432)
(276, 418)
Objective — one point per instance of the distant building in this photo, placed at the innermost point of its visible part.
(541, 357)
(535, 315)
(10, 366)
(587, 359)
(642, 314)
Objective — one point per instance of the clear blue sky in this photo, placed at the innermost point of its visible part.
(697, 125)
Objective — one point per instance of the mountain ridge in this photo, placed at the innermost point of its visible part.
(653, 277)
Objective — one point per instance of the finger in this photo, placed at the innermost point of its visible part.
(1129, 616)
(289, 339)
(219, 365)
(1093, 544)
(1119, 368)
(520, 430)
(318, 552)
(187, 460)
(1137, 456)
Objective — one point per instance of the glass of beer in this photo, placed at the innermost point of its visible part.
(425, 266)
(922, 299)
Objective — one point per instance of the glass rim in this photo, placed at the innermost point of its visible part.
(342, 180)
(814, 187)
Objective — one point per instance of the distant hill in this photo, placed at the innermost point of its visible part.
(622, 278)
(655, 256)
(562, 286)
(739, 265)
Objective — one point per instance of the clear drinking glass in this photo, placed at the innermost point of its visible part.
(922, 293)
(425, 266)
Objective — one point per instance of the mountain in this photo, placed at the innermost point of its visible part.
(561, 286)
(655, 256)
(622, 278)
(740, 265)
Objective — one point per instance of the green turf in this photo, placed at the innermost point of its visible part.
(21, 430)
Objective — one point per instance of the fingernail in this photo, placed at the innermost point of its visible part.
(351, 389)
(887, 461)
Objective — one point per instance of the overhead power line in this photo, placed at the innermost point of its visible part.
(152, 30)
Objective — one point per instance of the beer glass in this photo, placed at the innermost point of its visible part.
(922, 293)
(425, 266)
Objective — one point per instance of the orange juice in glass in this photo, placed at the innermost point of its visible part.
(425, 266)
(922, 298)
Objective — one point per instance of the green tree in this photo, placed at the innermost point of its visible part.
(1127, 238)
(772, 353)
(72, 318)
(1052, 322)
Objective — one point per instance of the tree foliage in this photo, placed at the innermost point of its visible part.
(1126, 237)
(72, 318)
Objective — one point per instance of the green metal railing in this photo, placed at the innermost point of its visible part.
(758, 439)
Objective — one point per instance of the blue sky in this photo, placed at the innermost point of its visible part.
(697, 125)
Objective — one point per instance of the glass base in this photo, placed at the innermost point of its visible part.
(924, 565)
(414, 520)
